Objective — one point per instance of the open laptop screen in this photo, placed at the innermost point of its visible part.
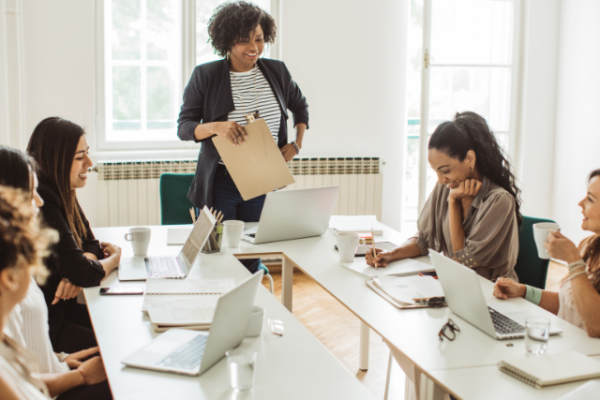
(198, 236)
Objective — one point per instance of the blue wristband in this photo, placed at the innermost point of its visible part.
(533, 295)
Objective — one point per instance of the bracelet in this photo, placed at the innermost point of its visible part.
(576, 275)
(576, 265)
(296, 147)
(533, 295)
(82, 375)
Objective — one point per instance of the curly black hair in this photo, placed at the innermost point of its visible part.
(233, 21)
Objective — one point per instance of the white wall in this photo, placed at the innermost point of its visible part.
(349, 59)
(539, 58)
(577, 131)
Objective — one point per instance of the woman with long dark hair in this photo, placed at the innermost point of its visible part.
(60, 150)
(578, 300)
(221, 95)
(27, 324)
(472, 214)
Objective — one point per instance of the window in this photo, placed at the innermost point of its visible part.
(462, 57)
(145, 45)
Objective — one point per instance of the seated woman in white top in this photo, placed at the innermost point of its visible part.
(578, 300)
(27, 324)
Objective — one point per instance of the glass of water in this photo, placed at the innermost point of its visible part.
(241, 366)
(537, 331)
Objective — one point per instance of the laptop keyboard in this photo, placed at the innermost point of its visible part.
(187, 356)
(162, 266)
(503, 324)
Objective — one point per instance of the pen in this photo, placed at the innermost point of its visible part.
(373, 248)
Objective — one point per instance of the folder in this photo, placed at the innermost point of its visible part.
(257, 167)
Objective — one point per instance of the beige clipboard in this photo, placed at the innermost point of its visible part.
(257, 167)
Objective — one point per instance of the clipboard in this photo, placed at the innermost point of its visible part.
(257, 167)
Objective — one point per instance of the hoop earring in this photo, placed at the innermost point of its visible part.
(472, 172)
(228, 55)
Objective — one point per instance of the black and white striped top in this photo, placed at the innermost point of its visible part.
(243, 87)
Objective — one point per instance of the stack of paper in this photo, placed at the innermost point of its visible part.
(355, 223)
(408, 289)
(404, 267)
(188, 303)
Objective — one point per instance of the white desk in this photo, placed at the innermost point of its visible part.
(294, 366)
(413, 333)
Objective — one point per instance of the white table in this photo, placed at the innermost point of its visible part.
(294, 366)
(412, 333)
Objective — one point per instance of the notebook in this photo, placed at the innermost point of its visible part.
(167, 289)
(182, 312)
(552, 369)
(404, 267)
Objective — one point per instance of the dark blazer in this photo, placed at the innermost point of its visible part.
(208, 98)
(67, 259)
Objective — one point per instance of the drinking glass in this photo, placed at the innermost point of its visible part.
(537, 332)
(241, 367)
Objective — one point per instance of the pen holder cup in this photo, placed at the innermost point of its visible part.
(213, 243)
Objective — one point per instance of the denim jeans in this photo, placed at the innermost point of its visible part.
(228, 200)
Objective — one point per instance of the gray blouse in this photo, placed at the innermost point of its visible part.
(491, 230)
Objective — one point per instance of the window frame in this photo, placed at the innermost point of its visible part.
(188, 63)
(516, 72)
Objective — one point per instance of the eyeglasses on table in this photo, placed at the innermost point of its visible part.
(449, 330)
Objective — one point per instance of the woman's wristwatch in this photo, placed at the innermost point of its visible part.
(297, 147)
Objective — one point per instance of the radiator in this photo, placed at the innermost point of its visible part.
(128, 191)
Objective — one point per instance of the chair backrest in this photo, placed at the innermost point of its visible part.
(174, 204)
(530, 269)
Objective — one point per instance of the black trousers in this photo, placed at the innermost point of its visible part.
(100, 391)
(76, 332)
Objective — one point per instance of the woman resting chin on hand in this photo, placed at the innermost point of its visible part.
(578, 300)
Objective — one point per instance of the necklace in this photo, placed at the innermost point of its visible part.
(250, 117)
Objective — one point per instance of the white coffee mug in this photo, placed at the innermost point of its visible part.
(140, 239)
(347, 243)
(233, 230)
(256, 322)
(540, 235)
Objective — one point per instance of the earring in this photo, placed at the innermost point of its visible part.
(228, 55)
(472, 172)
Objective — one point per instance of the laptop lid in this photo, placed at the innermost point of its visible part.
(230, 321)
(296, 214)
(463, 292)
(194, 243)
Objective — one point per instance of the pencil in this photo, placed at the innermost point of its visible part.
(373, 248)
(193, 215)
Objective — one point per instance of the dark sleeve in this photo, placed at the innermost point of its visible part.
(71, 262)
(192, 109)
(296, 101)
(90, 244)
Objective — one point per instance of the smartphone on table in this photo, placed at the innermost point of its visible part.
(121, 290)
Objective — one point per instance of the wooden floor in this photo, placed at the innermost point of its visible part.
(338, 329)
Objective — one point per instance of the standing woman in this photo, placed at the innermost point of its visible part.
(60, 150)
(472, 214)
(221, 94)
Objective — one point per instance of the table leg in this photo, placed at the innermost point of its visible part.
(363, 362)
(287, 281)
(430, 390)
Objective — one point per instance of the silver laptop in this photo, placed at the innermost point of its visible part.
(465, 298)
(294, 214)
(192, 352)
(140, 268)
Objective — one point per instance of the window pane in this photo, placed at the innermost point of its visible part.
(485, 91)
(453, 25)
(126, 97)
(126, 29)
(161, 34)
(159, 106)
(204, 9)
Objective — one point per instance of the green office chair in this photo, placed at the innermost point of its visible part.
(530, 269)
(174, 204)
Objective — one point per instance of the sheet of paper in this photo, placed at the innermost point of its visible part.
(406, 289)
(355, 223)
(398, 268)
(160, 286)
(178, 235)
(196, 311)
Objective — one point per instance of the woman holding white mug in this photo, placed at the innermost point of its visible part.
(578, 300)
